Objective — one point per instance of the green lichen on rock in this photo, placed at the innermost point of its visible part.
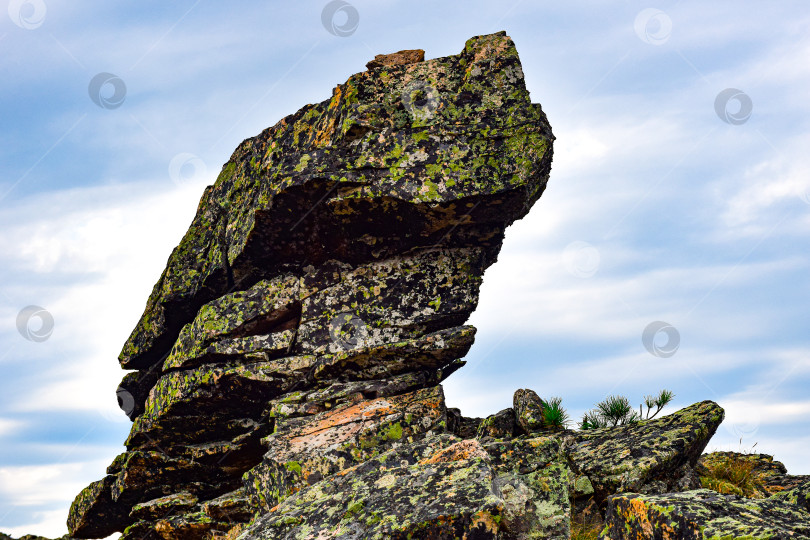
(528, 409)
(799, 495)
(701, 515)
(454, 171)
(328, 271)
(655, 454)
(305, 450)
(500, 425)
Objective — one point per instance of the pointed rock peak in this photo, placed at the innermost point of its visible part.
(400, 58)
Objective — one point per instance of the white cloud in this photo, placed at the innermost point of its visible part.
(115, 240)
(8, 426)
(33, 487)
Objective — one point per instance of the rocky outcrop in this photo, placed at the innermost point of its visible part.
(286, 372)
(654, 456)
(303, 325)
(701, 514)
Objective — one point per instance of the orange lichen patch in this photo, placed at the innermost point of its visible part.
(232, 534)
(467, 449)
(484, 521)
(176, 531)
(637, 512)
(399, 58)
(345, 421)
(323, 134)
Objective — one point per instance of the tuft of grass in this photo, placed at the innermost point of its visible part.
(554, 415)
(732, 475)
(583, 529)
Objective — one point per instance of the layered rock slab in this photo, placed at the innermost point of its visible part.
(446, 151)
(441, 487)
(702, 514)
(654, 455)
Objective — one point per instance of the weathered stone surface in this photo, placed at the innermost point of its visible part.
(460, 425)
(366, 175)
(701, 514)
(436, 488)
(190, 526)
(232, 507)
(533, 478)
(162, 506)
(660, 451)
(799, 495)
(528, 409)
(137, 477)
(397, 59)
(438, 500)
(319, 297)
(500, 425)
(304, 451)
(318, 400)
(93, 514)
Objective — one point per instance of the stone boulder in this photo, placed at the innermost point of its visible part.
(528, 408)
(655, 456)
(440, 487)
(701, 514)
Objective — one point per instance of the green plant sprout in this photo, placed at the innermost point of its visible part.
(554, 415)
(617, 411)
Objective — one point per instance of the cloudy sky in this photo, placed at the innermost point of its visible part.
(679, 201)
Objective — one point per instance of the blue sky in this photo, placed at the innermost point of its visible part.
(657, 209)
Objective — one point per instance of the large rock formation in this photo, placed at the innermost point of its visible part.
(286, 372)
(303, 324)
